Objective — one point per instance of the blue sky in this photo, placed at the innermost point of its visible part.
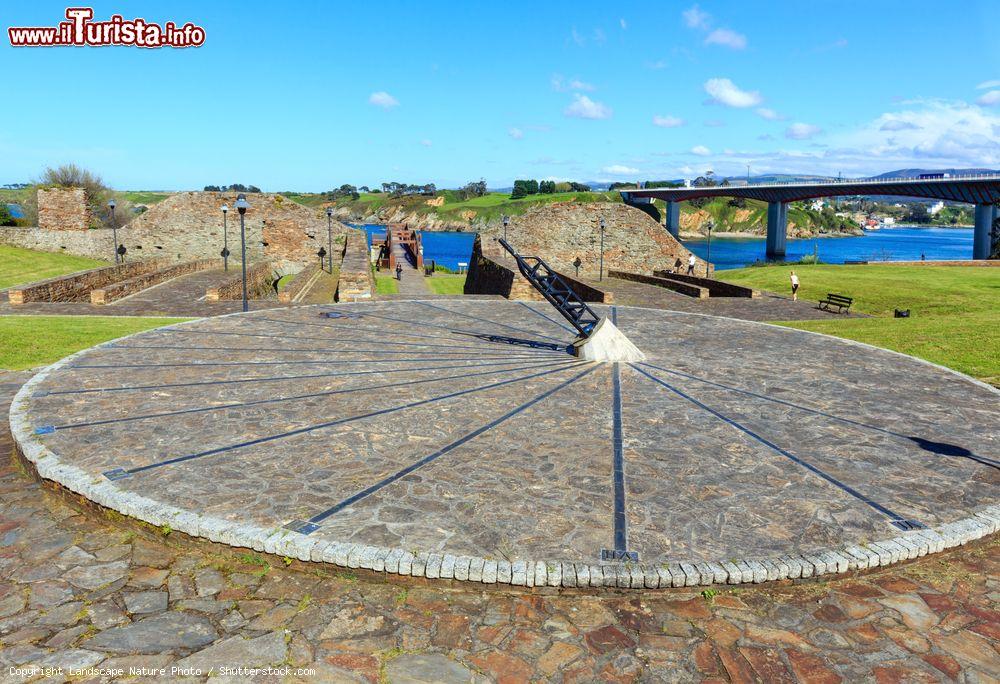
(309, 95)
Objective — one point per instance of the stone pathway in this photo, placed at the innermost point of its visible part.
(183, 296)
(80, 591)
(769, 307)
(411, 280)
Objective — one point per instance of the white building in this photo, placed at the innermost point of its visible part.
(936, 207)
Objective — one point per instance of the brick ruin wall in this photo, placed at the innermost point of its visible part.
(61, 209)
(138, 283)
(189, 225)
(260, 277)
(499, 276)
(77, 287)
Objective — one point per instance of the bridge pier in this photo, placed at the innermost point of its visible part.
(777, 223)
(673, 218)
(981, 235)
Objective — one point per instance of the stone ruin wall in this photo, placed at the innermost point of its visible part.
(188, 226)
(61, 209)
(562, 231)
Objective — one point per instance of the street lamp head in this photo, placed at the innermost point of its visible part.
(111, 203)
(506, 220)
(225, 208)
(602, 224)
(241, 204)
(329, 212)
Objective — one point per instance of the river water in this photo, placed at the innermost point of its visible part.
(905, 243)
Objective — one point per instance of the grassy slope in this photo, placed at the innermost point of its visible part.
(29, 341)
(386, 284)
(446, 284)
(489, 206)
(19, 266)
(954, 310)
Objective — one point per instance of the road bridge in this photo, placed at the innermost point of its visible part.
(982, 190)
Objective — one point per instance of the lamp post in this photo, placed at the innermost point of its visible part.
(225, 237)
(114, 229)
(748, 174)
(708, 256)
(506, 222)
(241, 206)
(329, 236)
(601, 274)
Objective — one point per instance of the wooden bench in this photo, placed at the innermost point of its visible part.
(842, 303)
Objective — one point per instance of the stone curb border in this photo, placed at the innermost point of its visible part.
(521, 573)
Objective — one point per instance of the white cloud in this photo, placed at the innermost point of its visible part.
(667, 121)
(701, 150)
(727, 38)
(725, 92)
(947, 133)
(695, 18)
(769, 114)
(623, 23)
(801, 131)
(986, 85)
(516, 133)
(897, 125)
(383, 99)
(989, 99)
(577, 38)
(585, 108)
(619, 170)
(657, 65)
(559, 84)
(686, 170)
(426, 142)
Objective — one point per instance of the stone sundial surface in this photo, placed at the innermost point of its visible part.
(465, 427)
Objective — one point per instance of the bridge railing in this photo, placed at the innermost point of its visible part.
(844, 181)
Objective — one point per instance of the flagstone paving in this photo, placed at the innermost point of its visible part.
(458, 439)
(79, 591)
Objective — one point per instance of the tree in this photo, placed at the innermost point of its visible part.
(523, 188)
(6, 219)
(579, 187)
(546, 187)
(918, 213)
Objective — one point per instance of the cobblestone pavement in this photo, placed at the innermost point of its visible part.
(444, 428)
(183, 296)
(768, 307)
(78, 590)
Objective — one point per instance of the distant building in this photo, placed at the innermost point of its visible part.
(935, 208)
(817, 204)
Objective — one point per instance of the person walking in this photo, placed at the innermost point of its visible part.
(691, 261)
(399, 271)
(795, 286)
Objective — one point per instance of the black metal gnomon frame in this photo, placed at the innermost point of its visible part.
(555, 290)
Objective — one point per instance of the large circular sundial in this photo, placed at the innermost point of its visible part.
(459, 439)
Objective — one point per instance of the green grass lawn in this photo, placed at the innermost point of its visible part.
(19, 266)
(444, 284)
(30, 341)
(283, 281)
(954, 310)
(386, 284)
